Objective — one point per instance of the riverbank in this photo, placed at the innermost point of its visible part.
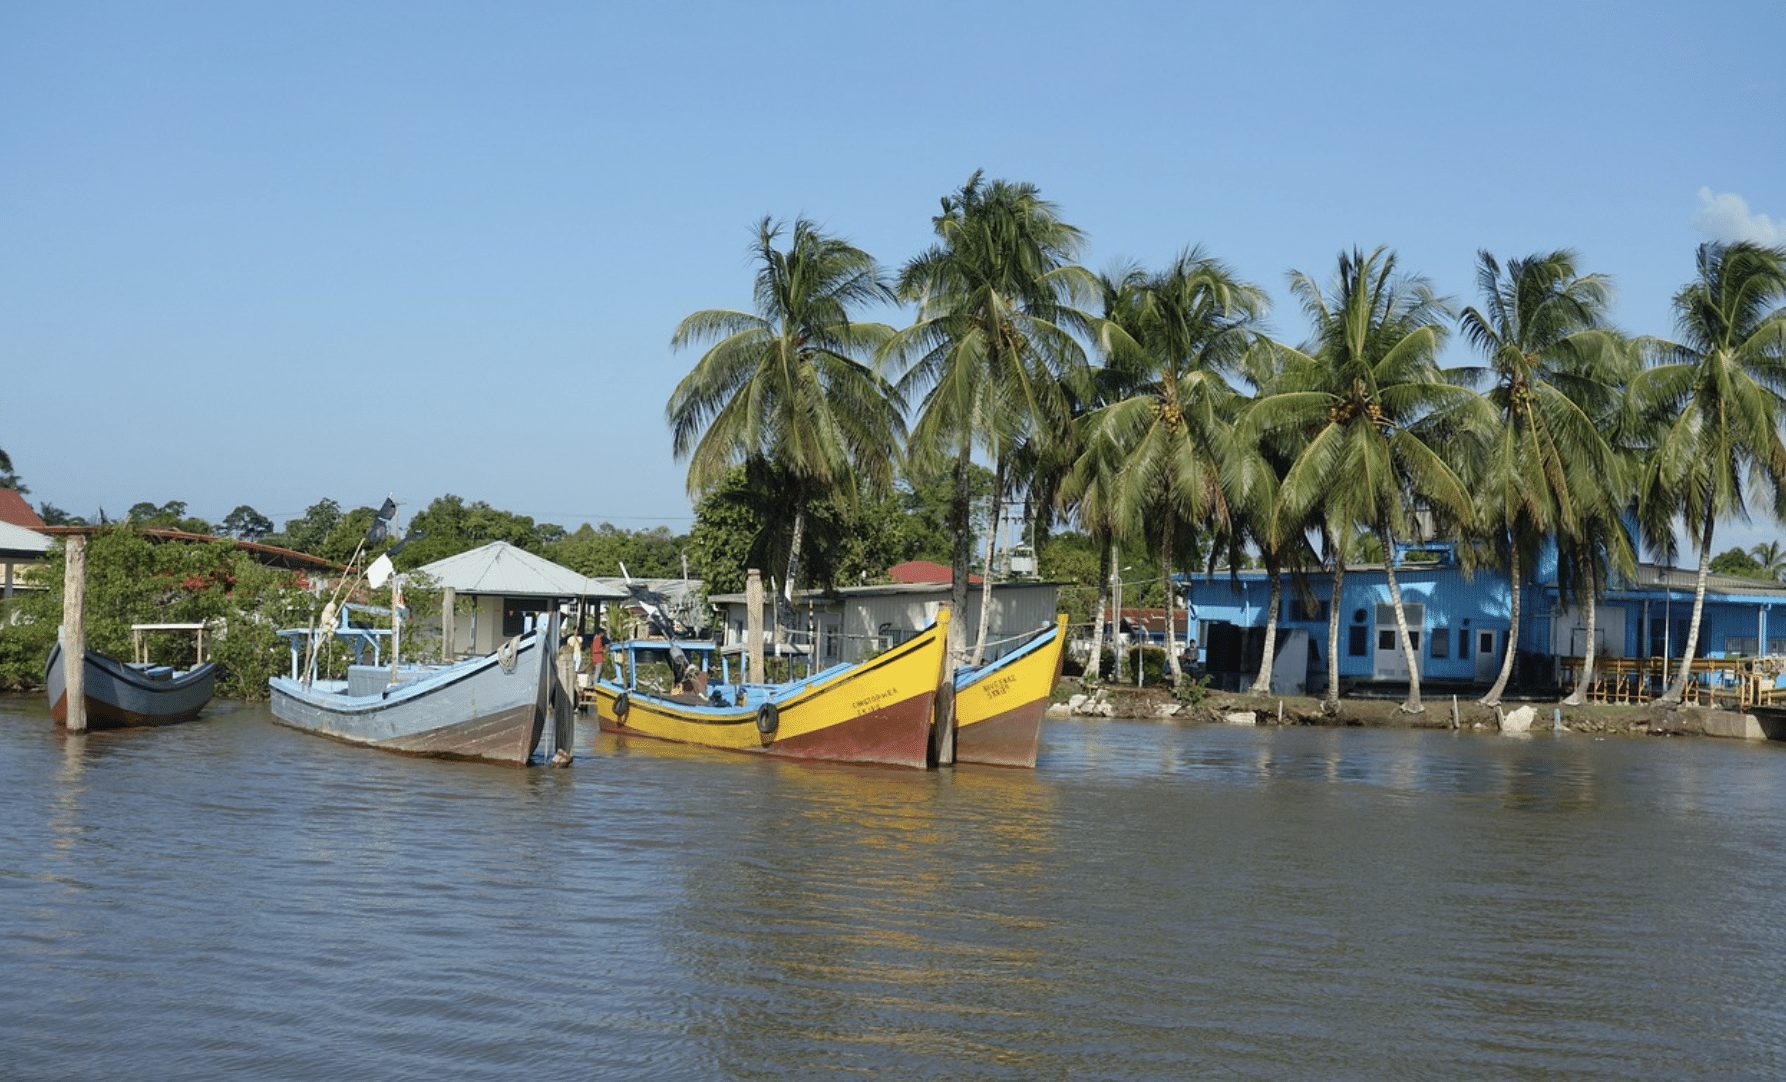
(1233, 708)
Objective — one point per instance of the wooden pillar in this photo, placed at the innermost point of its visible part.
(74, 633)
(753, 626)
(448, 598)
(8, 594)
(942, 721)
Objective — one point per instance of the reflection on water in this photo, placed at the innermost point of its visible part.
(234, 899)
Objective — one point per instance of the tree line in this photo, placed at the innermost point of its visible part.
(1153, 407)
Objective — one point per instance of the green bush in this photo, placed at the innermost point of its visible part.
(1153, 665)
(132, 580)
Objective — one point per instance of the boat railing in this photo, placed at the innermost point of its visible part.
(343, 631)
(140, 634)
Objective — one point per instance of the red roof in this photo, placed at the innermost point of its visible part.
(15, 510)
(923, 571)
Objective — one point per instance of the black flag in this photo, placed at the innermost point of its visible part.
(407, 538)
(381, 522)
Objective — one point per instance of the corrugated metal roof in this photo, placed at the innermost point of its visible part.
(925, 572)
(271, 555)
(673, 589)
(1656, 577)
(501, 568)
(17, 541)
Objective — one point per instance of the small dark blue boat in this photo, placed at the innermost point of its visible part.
(121, 695)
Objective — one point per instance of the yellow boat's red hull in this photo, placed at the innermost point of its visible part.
(999, 708)
(876, 712)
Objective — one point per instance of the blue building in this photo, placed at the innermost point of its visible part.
(1459, 622)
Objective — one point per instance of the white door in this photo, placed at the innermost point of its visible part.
(1388, 662)
(1488, 655)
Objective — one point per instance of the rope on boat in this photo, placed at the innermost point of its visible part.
(1023, 636)
(507, 653)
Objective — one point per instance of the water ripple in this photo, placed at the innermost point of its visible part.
(233, 899)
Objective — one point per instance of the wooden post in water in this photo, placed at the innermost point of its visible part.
(753, 626)
(942, 716)
(74, 634)
(448, 598)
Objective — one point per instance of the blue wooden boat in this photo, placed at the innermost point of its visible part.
(121, 695)
(489, 709)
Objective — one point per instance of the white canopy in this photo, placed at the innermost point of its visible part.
(500, 568)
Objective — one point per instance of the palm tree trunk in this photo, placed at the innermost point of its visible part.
(1586, 679)
(1493, 697)
(1262, 683)
(962, 553)
(1412, 706)
(1679, 687)
(1116, 650)
(799, 534)
(1330, 700)
(998, 499)
(1096, 663)
(1172, 665)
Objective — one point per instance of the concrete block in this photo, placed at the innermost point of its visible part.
(1518, 721)
(1733, 726)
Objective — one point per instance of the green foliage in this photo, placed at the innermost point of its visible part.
(170, 515)
(308, 533)
(449, 526)
(1192, 692)
(600, 551)
(848, 540)
(791, 382)
(1153, 666)
(55, 516)
(995, 348)
(245, 523)
(131, 580)
(730, 536)
(1741, 564)
(345, 538)
(1771, 555)
(9, 479)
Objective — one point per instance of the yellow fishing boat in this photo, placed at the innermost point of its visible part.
(874, 711)
(999, 706)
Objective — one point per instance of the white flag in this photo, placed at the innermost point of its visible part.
(380, 572)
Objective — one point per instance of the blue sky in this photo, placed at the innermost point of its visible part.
(268, 253)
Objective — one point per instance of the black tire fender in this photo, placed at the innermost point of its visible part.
(768, 719)
(622, 705)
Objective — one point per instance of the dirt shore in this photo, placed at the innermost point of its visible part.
(1216, 707)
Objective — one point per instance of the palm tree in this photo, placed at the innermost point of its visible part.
(1176, 336)
(1366, 400)
(1556, 372)
(1263, 520)
(1716, 400)
(1596, 547)
(9, 479)
(1771, 555)
(1089, 491)
(791, 384)
(992, 342)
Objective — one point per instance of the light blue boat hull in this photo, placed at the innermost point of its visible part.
(472, 710)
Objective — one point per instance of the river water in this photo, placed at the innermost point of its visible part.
(233, 899)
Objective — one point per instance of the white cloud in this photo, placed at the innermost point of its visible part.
(1726, 216)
